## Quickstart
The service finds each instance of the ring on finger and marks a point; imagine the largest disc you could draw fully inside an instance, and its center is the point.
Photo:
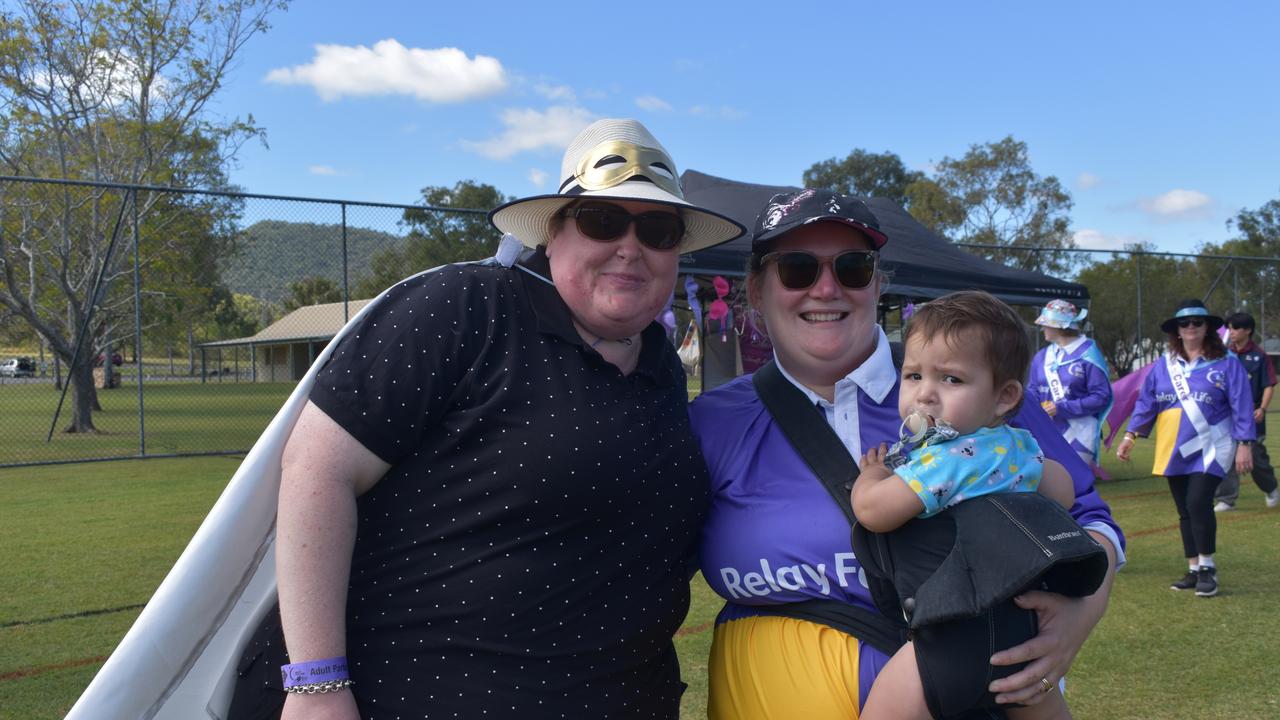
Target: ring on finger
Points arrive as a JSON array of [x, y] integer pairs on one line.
[[1045, 685]]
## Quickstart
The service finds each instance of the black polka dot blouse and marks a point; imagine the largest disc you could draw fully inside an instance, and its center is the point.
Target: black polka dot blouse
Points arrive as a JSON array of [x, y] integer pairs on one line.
[[528, 553]]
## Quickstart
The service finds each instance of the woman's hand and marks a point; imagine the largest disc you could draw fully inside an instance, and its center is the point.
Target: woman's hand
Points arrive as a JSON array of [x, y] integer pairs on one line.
[[1244, 458], [1050, 408], [339, 705], [1122, 450], [1065, 623]]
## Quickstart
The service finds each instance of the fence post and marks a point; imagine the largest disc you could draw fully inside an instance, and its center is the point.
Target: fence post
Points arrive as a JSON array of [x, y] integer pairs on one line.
[[1142, 352], [346, 289], [137, 329]]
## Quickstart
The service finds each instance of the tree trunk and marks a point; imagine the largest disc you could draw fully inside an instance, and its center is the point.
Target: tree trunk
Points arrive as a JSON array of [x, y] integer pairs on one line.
[[83, 400], [108, 368]]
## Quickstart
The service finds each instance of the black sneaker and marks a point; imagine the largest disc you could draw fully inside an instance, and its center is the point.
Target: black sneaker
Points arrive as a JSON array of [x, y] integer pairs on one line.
[[1187, 582], [1207, 582]]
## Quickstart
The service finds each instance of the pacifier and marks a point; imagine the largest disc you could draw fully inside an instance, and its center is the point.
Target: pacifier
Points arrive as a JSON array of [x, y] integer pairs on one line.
[[914, 426]]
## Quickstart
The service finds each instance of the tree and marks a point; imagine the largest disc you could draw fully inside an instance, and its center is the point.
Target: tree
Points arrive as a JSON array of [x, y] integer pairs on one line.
[[118, 91], [437, 237], [1124, 335], [991, 196], [312, 291], [1249, 285], [864, 173]]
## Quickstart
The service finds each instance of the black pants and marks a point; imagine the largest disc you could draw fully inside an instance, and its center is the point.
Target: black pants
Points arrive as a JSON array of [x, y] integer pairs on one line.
[[1193, 496], [1264, 476]]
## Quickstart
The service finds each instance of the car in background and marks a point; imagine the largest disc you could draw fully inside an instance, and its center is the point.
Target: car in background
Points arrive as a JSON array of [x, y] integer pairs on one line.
[[17, 367]]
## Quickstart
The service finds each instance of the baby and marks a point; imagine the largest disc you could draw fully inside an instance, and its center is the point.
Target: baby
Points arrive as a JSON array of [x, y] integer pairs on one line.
[[965, 359]]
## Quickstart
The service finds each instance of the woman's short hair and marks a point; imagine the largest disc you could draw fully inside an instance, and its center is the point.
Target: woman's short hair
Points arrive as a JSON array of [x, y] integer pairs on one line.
[[1002, 332], [1241, 321]]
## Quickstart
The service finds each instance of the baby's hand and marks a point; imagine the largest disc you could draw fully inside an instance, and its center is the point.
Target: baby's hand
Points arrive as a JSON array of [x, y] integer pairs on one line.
[[872, 464]]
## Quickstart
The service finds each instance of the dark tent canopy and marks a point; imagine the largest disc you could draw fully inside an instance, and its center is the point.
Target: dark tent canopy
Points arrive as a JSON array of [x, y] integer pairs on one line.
[[921, 263]]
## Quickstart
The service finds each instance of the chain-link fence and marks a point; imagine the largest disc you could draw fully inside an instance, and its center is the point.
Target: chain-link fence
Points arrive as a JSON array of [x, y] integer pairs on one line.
[[1133, 291], [145, 321]]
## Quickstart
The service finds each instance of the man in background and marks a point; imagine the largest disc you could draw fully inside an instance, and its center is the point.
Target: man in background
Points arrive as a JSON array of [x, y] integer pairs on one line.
[[1262, 380]]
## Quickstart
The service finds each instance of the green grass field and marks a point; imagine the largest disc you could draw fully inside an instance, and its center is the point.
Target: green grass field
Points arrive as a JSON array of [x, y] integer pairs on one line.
[[181, 417], [87, 544]]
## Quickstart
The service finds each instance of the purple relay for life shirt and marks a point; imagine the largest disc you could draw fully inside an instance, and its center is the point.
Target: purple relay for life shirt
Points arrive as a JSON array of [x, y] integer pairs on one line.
[[1220, 390], [774, 535]]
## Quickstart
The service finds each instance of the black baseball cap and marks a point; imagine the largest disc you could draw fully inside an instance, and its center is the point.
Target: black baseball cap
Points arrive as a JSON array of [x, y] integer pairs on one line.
[[787, 211]]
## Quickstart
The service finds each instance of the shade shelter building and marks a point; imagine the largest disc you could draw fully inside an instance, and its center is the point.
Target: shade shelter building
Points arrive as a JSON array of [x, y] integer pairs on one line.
[[285, 349]]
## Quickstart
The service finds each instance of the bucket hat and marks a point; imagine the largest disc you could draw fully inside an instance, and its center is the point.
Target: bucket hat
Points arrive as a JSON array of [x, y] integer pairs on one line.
[[614, 160], [1191, 308], [1062, 315]]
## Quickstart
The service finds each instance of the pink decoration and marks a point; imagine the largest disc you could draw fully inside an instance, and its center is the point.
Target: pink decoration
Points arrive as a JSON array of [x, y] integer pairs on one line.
[[1125, 393]]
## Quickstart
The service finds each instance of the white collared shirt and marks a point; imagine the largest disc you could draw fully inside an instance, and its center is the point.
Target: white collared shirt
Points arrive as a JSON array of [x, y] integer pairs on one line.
[[876, 377], [1064, 350]]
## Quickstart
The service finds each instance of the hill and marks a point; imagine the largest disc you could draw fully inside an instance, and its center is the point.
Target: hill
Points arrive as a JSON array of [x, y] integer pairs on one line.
[[270, 254]]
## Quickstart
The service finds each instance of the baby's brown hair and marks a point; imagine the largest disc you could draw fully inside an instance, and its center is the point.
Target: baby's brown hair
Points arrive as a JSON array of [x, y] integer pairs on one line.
[[1003, 334]]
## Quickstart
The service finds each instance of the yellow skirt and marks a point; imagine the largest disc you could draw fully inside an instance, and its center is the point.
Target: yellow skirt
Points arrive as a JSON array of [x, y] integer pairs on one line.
[[777, 668]]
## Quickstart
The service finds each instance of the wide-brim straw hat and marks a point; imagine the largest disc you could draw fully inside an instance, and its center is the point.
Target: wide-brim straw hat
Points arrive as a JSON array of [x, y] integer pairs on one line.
[[1191, 309], [614, 160]]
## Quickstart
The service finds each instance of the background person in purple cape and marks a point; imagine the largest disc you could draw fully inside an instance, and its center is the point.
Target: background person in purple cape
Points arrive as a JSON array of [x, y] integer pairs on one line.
[[775, 536], [1070, 380], [1197, 401]]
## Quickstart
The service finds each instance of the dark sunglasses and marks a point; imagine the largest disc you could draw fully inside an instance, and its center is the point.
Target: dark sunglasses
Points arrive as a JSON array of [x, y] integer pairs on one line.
[[799, 269], [606, 222], [1191, 322]]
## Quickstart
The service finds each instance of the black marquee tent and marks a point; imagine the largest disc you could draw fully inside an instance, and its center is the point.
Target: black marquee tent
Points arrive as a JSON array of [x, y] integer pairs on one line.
[[921, 263]]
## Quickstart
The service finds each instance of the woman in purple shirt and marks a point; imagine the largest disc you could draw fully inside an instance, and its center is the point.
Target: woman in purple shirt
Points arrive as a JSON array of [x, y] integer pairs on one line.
[[1197, 399], [1070, 380], [774, 536]]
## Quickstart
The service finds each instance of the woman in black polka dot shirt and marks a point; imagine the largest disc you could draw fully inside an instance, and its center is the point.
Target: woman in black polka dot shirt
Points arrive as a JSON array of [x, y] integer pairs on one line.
[[490, 504]]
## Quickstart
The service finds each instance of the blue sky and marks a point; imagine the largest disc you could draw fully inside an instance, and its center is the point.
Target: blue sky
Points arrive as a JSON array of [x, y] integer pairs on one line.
[[1161, 119]]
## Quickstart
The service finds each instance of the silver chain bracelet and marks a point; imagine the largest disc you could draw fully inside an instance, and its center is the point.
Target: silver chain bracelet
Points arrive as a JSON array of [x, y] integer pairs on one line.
[[321, 687]]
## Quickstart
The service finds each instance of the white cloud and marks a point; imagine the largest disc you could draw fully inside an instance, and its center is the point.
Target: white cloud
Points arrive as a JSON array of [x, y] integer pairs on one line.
[[537, 177], [528, 129], [1177, 205], [1088, 181], [555, 92], [1097, 240], [442, 75], [321, 170], [653, 103], [723, 112]]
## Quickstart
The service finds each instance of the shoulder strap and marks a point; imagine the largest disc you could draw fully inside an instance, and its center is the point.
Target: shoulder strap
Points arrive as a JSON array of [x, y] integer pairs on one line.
[[820, 448], [809, 433]]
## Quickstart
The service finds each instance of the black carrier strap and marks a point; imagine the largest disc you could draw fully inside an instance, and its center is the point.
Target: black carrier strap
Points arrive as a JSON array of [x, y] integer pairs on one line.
[[820, 448]]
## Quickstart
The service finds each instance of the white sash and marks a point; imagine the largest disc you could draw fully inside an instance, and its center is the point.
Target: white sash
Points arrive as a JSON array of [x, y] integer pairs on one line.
[[1083, 429], [1206, 437], [1058, 392]]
